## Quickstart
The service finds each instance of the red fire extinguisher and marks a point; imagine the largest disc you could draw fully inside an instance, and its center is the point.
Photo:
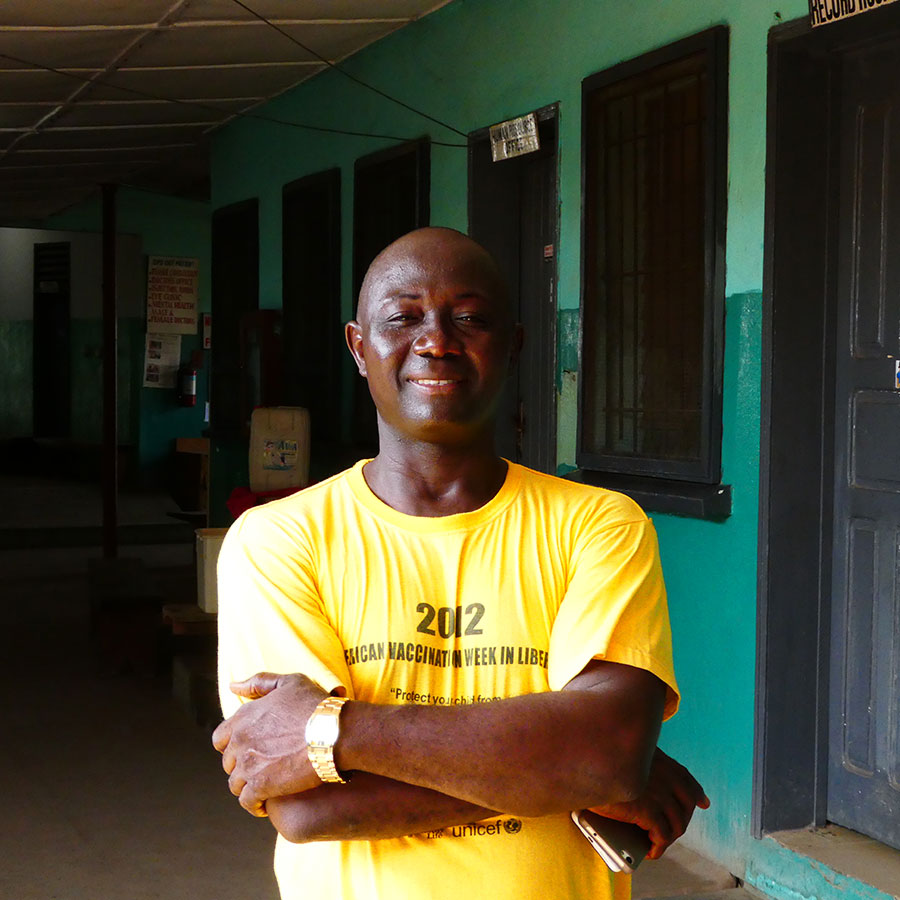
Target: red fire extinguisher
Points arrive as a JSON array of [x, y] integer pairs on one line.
[[187, 386]]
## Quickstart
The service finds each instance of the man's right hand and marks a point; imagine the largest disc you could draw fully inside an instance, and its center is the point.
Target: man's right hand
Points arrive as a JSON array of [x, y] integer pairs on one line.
[[263, 745], [665, 808]]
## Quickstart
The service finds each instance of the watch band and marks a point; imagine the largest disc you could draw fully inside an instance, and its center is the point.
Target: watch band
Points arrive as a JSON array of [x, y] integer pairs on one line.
[[322, 730]]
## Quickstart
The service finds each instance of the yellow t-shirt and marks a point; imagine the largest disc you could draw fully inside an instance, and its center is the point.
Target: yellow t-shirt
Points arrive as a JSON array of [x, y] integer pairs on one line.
[[513, 598]]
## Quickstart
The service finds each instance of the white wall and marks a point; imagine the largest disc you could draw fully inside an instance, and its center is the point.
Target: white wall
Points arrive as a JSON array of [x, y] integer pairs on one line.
[[17, 272]]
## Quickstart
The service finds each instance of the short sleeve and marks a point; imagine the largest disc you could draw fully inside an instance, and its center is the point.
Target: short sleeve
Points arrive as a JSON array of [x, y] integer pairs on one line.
[[270, 614], [615, 607]]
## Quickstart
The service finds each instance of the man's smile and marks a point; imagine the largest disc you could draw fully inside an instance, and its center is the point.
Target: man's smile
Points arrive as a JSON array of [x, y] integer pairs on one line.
[[434, 382]]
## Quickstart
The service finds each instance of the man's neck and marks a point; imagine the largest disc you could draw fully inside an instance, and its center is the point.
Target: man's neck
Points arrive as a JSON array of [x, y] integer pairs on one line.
[[431, 480]]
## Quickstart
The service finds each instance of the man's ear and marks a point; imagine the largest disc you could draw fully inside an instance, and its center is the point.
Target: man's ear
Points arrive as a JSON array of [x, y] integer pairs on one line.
[[354, 338], [518, 338]]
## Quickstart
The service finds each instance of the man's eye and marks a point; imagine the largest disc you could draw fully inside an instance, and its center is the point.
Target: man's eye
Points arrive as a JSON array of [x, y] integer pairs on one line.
[[472, 319]]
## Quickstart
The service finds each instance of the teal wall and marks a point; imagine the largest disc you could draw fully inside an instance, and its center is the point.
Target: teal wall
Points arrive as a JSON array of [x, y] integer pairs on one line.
[[711, 575], [778, 872], [167, 226], [476, 62], [86, 367], [15, 378]]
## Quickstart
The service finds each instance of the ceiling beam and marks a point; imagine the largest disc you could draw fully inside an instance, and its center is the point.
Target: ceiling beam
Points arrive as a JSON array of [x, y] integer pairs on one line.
[[43, 123], [200, 23]]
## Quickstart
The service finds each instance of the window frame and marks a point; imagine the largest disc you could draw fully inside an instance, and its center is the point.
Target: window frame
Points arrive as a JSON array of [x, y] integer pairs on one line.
[[647, 470]]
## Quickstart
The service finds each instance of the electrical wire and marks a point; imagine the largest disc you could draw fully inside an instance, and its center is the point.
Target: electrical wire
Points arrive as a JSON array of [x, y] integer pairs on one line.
[[347, 74], [195, 104]]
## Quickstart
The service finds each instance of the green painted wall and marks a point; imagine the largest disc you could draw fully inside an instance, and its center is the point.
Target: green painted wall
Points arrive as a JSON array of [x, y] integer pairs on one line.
[[167, 226], [782, 874], [86, 365], [86, 344], [15, 378], [711, 574], [476, 62]]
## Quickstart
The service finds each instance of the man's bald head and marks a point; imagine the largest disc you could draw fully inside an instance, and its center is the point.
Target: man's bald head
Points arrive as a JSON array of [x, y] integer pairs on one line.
[[434, 254], [436, 339]]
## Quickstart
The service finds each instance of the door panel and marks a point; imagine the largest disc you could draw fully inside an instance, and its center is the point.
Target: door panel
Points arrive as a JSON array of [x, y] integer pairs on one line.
[[51, 404], [872, 146], [513, 213], [875, 440], [863, 789], [537, 312], [859, 617], [235, 292], [312, 336], [391, 196]]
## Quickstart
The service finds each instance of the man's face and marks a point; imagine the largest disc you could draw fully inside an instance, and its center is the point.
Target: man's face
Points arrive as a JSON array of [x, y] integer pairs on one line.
[[435, 337]]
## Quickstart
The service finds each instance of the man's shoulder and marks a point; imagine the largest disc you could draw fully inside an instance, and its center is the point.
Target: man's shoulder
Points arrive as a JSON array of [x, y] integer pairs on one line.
[[571, 498]]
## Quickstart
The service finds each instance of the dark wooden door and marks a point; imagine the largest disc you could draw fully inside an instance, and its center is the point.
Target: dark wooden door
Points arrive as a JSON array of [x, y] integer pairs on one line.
[[52, 408], [312, 337], [513, 213], [391, 196], [235, 292], [864, 767]]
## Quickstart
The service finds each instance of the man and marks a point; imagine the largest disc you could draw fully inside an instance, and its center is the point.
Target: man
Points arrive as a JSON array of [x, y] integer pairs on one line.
[[483, 647]]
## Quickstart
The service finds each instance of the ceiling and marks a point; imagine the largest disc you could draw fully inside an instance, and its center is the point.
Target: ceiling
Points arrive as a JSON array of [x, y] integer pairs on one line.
[[139, 85]]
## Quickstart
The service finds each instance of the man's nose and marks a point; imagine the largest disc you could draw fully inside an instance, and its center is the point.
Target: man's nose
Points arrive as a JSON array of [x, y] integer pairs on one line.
[[437, 337]]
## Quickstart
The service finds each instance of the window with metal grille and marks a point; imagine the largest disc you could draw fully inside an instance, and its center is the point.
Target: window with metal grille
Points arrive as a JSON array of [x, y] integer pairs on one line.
[[652, 310]]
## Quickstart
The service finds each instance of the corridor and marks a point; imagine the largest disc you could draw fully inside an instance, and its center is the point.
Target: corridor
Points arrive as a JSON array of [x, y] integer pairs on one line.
[[111, 791]]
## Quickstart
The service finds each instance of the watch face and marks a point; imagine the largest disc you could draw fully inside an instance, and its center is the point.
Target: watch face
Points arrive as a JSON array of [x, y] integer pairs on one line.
[[322, 729]]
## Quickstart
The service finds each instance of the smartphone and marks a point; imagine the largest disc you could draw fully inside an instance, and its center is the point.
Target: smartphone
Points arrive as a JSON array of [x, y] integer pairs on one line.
[[621, 845]]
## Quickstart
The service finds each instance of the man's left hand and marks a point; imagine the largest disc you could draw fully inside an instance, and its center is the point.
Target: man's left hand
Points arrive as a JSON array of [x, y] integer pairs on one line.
[[665, 808], [263, 745]]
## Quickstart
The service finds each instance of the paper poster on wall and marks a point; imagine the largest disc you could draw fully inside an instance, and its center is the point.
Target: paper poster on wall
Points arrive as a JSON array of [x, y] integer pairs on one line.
[[172, 294], [162, 357], [207, 331]]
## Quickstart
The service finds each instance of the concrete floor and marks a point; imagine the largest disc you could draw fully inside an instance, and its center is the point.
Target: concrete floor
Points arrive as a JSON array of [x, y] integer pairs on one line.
[[687, 875], [33, 502], [112, 792]]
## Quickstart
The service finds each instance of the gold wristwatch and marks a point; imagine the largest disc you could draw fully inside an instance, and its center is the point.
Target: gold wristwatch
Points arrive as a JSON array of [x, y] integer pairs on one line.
[[322, 730]]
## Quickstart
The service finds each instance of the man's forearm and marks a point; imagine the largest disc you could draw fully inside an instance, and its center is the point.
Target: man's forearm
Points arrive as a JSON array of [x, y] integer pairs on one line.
[[589, 744], [368, 807], [530, 755]]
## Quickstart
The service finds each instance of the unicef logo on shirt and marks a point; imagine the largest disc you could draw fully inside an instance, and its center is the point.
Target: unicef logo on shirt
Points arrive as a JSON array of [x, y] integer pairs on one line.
[[479, 829]]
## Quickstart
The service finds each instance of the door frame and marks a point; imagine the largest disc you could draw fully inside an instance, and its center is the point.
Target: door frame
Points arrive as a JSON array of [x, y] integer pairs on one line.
[[797, 420], [475, 139]]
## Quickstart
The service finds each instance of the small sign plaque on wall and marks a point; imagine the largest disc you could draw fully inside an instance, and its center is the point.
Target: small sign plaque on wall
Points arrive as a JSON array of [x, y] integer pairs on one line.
[[515, 137], [824, 12]]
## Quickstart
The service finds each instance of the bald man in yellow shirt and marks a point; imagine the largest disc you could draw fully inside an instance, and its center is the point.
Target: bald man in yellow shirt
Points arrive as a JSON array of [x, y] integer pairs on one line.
[[483, 648]]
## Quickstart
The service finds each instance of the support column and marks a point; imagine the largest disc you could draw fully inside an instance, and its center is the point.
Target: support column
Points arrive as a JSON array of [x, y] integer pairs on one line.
[[110, 456]]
